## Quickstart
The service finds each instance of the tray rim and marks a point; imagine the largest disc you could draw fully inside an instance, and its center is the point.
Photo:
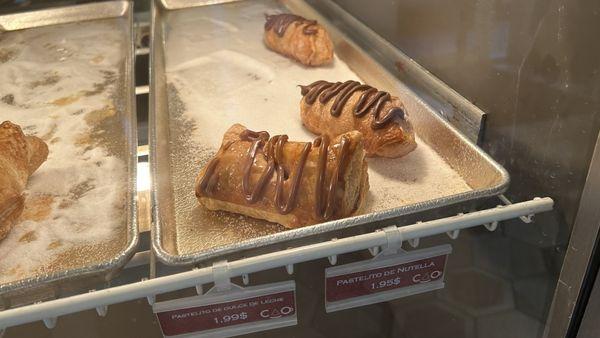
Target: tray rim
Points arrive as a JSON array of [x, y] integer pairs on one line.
[[64, 14], [197, 257], [182, 4], [116, 9]]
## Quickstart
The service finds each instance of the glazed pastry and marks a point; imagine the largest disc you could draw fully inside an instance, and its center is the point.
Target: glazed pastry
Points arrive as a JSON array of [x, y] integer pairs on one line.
[[20, 156], [291, 183], [332, 109], [298, 38]]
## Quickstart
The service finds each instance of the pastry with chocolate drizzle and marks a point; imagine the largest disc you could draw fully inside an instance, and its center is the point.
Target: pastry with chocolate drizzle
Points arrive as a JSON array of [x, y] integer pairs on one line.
[[298, 38], [291, 183], [330, 109]]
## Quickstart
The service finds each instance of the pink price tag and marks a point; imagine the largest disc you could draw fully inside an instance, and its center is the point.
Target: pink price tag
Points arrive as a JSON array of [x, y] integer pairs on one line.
[[235, 314], [385, 278]]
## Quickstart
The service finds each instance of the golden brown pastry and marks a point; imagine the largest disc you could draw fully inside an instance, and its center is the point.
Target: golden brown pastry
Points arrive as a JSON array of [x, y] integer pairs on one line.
[[20, 156], [291, 183], [332, 109], [298, 38]]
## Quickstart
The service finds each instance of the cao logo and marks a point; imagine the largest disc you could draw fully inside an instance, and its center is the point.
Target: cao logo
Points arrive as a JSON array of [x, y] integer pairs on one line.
[[275, 313], [426, 277]]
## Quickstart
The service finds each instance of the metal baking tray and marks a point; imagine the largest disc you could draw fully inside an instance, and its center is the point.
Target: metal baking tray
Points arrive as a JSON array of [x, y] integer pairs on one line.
[[71, 84], [210, 69]]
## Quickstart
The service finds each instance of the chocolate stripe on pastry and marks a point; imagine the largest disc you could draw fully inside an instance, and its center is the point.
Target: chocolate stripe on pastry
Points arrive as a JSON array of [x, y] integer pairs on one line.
[[280, 22]]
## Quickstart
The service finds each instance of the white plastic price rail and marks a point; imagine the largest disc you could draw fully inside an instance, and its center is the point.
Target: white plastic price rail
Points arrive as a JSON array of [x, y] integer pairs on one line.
[[50, 310]]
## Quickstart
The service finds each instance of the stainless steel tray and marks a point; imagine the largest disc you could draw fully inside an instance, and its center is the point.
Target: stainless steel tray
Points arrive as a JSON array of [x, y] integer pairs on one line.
[[209, 69], [72, 85]]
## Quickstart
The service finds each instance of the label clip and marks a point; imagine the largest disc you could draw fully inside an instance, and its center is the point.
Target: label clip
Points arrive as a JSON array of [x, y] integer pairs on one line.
[[221, 276], [394, 238]]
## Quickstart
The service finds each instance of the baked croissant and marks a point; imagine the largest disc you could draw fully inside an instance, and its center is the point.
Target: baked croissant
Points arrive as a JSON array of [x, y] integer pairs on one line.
[[298, 38], [20, 156], [291, 183], [332, 109]]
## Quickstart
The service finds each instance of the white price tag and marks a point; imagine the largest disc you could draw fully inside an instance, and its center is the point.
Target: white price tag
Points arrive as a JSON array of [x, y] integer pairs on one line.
[[385, 277], [229, 313]]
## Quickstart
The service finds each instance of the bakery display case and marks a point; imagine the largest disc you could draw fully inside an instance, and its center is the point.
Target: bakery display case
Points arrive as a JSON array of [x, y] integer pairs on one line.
[[477, 218]]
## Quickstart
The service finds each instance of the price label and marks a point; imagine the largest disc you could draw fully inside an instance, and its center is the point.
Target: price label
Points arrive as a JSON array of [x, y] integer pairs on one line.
[[385, 278], [234, 312]]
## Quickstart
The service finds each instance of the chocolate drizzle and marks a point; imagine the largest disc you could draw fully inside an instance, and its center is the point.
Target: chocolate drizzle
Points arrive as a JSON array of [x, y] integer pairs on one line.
[[280, 22], [325, 207], [371, 99], [271, 148]]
